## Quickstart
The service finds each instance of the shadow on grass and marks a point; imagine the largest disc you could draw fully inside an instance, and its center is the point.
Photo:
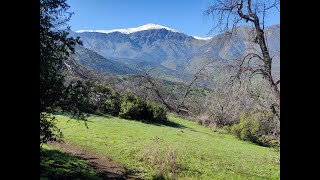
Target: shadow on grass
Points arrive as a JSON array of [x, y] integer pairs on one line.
[[55, 164], [100, 114], [159, 123], [166, 123], [108, 116]]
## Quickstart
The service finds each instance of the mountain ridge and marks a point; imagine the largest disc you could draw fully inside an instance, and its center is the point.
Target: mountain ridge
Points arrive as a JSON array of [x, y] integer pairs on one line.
[[131, 30], [173, 51]]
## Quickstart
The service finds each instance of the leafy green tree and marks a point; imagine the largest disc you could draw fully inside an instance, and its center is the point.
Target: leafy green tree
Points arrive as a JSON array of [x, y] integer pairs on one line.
[[55, 47]]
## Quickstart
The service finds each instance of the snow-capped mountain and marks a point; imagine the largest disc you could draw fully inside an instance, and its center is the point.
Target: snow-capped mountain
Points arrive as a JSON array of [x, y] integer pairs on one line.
[[131, 30], [173, 51]]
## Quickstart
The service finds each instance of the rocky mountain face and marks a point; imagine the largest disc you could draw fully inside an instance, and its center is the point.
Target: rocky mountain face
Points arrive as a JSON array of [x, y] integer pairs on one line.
[[173, 53]]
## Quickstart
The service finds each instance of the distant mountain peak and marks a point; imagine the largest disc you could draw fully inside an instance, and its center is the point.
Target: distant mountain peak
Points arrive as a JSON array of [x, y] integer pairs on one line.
[[200, 38], [131, 30]]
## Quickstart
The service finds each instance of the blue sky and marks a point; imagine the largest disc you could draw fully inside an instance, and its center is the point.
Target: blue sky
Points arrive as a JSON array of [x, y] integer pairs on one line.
[[183, 15]]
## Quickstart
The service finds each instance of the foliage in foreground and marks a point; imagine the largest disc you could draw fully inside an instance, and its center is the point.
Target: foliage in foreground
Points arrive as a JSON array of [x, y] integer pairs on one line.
[[55, 47], [48, 129]]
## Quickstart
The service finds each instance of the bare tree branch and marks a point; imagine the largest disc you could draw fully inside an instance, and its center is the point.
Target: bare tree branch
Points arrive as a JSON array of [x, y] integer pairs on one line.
[[155, 89], [197, 75]]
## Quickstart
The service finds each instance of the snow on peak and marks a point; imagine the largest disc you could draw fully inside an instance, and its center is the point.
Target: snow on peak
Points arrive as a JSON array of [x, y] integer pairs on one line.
[[131, 30], [200, 38], [150, 26]]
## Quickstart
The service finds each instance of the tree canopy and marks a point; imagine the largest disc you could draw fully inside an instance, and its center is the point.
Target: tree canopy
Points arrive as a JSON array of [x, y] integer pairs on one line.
[[55, 47]]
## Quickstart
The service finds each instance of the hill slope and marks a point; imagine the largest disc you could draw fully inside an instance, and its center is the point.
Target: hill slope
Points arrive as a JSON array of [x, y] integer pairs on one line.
[[186, 151]]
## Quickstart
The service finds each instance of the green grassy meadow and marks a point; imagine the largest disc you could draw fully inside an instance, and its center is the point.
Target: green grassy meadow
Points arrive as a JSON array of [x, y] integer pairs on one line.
[[184, 151]]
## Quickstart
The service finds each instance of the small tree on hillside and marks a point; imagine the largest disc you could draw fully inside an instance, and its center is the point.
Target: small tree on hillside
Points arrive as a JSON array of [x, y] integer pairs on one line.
[[173, 101]]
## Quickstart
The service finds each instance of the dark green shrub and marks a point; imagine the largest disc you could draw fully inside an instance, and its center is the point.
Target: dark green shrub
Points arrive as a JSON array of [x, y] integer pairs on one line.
[[247, 129], [135, 108], [131, 107], [158, 113], [113, 104]]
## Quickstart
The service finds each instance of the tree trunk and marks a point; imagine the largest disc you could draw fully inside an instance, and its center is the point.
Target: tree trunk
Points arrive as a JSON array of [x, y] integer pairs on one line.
[[266, 59]]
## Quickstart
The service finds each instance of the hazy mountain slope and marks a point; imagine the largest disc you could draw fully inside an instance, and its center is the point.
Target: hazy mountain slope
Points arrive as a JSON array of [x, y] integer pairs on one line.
[[173, 53], [93, 60], [228, 49], [87, 63], [159, 46]]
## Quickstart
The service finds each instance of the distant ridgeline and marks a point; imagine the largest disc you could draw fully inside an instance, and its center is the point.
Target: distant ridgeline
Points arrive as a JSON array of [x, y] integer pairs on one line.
[[174, 55]]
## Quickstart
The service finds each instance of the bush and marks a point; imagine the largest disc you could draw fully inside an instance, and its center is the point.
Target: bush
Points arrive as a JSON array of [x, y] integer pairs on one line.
[[158, 113], [269, 123], [247, 129], [227, 128], [113, 104], [257, 127], [135, 108], [269, 141], [131, 107]]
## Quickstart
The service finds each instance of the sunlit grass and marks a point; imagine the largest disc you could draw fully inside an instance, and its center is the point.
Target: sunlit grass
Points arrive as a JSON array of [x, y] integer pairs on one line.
[[194, 151]]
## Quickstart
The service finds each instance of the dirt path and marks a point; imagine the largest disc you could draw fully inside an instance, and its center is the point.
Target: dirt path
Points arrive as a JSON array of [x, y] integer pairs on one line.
[[104, 166]]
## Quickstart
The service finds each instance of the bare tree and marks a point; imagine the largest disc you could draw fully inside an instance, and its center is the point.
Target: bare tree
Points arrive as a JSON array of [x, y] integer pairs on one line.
[[173, 101], [230, 14], [151, 84], [225, 103]]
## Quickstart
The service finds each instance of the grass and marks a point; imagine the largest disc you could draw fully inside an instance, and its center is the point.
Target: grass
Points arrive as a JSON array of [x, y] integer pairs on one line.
[[187, 151], [55, 164]]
